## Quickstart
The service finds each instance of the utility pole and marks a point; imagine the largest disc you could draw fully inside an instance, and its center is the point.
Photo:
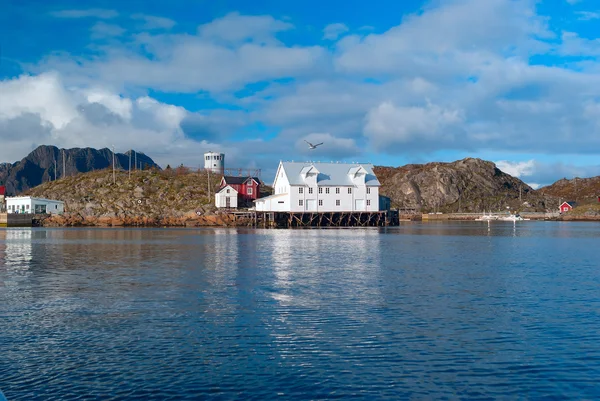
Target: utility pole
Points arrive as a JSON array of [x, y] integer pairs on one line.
[[55, 168], [135, 164], [208, 175], [114, 179], [64, 164], [520, 189], [130, 164]]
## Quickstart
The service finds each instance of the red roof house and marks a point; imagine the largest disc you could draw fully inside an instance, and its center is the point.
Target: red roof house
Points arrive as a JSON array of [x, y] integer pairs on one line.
[[567, 206], [248, 188]]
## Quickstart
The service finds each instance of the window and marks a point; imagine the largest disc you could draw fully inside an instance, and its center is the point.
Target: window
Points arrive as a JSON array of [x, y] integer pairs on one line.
[[368, 191], [300, 190], [337, 202], [349, 190], [228, 190], [27, 207], [310, 190], [300, 202], [320, 202], [326, 190], [249, 190], [320, 190], [368, 202], [337, 190]]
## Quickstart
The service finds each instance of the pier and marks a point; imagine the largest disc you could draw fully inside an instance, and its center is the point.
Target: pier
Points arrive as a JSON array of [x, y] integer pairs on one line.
[[321, 219], [16, 220]]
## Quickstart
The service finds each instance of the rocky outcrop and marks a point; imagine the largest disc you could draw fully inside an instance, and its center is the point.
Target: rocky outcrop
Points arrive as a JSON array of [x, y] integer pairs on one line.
[[173, 197], [468, 185], [581, 190], [45, 164]]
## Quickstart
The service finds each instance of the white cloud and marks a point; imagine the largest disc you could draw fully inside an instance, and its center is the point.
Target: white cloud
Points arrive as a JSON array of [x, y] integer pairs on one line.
[[103, 30], [37, 110], [236, 28], [151, 22], [86, 13], [389, 125], [334, 31], [228, 53], [517, 169], [588, 15]]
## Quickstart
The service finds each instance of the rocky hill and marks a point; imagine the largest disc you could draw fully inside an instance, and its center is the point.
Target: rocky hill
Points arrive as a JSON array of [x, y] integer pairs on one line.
[[581, 190], [468, 185], [172, 197], [45, 164]]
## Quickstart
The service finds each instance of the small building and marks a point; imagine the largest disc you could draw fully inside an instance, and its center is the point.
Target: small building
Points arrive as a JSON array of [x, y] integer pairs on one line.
[[2, 195], [248, 188], [323, 188], [567, 206], [227, 197], [214, 162], [28, 204]]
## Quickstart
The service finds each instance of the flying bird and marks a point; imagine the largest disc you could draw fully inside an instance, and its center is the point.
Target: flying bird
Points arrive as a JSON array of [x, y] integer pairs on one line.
[[311, 146]]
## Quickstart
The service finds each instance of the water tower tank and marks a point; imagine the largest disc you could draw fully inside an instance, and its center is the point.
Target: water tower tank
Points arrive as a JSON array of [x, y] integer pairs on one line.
[[214, 162]]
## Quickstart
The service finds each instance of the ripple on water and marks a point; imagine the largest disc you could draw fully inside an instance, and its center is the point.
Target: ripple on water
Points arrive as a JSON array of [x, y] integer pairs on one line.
[[421, 311]]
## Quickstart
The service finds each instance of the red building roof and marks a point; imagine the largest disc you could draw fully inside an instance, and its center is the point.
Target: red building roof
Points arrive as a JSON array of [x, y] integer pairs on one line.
[[2, 190]]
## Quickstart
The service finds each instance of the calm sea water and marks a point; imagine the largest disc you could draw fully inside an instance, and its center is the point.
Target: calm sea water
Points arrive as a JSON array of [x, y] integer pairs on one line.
[[423, 311]]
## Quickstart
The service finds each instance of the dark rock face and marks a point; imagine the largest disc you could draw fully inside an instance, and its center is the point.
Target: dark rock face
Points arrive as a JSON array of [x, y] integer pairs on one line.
[[468, 185], [45, 163]]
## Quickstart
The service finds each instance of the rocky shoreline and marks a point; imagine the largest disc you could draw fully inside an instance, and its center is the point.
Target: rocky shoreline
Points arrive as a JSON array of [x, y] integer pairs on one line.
[[186, 220]]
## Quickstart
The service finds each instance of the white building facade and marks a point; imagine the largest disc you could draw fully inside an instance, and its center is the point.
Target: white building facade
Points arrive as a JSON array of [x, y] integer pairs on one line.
[[27, 204], [323, 187], [227, 197], [215, 162]]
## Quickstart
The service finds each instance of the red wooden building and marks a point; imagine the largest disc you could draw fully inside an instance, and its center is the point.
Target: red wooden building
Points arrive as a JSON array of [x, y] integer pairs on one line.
[[2, 194], [248, 188], [566, 206]]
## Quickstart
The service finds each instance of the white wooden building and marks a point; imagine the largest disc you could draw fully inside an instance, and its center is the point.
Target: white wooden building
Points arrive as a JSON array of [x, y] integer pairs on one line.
[[28, 204], [227, 197], [322, 187]]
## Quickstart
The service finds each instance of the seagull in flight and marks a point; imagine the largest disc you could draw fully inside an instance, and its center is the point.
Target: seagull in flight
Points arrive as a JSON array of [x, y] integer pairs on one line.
[[311, 146]]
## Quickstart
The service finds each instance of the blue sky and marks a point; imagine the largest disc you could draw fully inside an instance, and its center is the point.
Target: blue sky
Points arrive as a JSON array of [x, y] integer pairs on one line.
[[387, 82]]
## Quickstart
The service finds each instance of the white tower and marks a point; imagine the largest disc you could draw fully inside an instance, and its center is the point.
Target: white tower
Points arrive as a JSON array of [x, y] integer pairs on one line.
[[215, 162]]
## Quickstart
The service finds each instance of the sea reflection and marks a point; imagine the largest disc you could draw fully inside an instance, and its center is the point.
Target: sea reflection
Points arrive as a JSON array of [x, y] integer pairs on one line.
[[16, 247], [425, 311]]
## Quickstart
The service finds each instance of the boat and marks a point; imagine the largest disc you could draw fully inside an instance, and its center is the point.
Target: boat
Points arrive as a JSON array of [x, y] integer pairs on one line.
[[487, 217], [511, 217]]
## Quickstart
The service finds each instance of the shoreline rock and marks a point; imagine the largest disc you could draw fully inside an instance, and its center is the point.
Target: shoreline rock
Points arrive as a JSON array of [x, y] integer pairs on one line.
[[188, 220]]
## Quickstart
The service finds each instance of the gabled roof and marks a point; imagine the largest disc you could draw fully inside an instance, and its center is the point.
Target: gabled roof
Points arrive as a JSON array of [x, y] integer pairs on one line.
[[227, 187], [230, 179], [570, 203], [330, 174]]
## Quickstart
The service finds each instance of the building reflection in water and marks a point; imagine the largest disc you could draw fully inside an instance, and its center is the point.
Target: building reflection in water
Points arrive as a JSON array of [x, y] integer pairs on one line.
[[16, 247]]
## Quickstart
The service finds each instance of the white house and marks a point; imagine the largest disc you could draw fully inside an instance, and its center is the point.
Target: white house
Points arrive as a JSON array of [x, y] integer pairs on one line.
[[227, 197], [27, 204], [323, 187]]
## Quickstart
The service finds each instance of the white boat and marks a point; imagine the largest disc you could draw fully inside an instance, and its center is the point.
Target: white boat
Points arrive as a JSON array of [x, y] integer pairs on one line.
[[487, 217], [511, 217]]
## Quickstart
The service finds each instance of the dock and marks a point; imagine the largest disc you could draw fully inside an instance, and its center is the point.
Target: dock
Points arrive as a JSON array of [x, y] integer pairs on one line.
[[322, 219], [16, 220]]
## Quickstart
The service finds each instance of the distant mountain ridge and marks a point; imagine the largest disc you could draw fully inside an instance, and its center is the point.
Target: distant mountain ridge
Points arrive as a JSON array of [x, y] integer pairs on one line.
[[45, 163]]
